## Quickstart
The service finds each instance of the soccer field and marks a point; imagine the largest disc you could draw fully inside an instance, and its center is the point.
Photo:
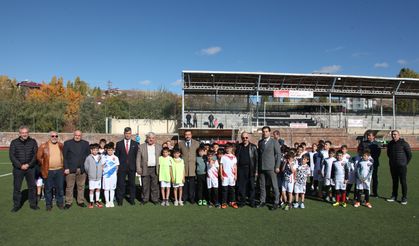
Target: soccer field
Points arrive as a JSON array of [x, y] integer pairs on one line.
[[320, 223]]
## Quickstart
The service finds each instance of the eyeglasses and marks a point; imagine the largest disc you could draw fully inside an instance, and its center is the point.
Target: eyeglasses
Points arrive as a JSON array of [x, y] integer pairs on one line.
[[54, 136]]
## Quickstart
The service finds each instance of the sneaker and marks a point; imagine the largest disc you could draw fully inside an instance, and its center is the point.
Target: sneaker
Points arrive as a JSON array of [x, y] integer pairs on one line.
[[391, 199], [107, 205], [99, 204], [302, 205], [368, 205], [335, 204], [217, 205], [163, 203], [223, 206], [176, 203], [234, 205], [167, 203], [333, 199], [357, 204], [295, 205], [181, 203], [200, 203], [90, 205], [327, 199], [343, 204], [287, 207], [204, 202], [404, 201], [112, 205]]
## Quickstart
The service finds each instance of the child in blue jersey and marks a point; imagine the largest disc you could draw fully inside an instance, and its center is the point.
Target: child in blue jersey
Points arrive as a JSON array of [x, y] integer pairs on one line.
[[328, 183], [110, 164]]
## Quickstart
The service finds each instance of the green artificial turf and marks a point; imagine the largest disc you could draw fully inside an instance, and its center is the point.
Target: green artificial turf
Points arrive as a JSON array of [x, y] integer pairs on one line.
[[320, 223]]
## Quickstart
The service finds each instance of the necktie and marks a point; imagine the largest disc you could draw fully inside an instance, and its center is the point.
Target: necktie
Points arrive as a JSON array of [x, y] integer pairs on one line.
[[126, 147], [188, 144]]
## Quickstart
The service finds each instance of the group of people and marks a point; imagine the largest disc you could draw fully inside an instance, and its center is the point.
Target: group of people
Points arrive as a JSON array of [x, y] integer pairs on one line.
[[212, 122], [196, 171]]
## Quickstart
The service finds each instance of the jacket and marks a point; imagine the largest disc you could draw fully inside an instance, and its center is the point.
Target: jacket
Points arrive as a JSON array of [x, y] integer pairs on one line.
[[127, 162], [189, 157], [93, 169], [43, 155], [142, 159], [74, 154], [269, 155], [23, 152], [374, 149], [253, 154], [399, 153]]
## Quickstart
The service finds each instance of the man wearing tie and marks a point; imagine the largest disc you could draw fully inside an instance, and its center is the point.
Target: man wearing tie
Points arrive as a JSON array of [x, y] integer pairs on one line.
[[188, 148], [126, 150], [269, 162]]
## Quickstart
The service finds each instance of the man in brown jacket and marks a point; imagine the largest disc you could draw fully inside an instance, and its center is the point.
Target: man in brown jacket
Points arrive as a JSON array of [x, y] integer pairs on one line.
[[188, 148], [50, 157], [148, 167]]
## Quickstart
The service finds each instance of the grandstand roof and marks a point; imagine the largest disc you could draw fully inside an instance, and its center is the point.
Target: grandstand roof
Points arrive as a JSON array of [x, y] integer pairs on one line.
[[247, 83]]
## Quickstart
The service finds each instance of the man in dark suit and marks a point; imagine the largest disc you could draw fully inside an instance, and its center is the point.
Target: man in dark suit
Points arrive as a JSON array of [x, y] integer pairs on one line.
[[126, 150], [269, 162], [188, 149], [148, 168]]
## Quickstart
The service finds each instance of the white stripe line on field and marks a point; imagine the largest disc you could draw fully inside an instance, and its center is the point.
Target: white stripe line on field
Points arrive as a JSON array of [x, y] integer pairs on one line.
[[4, 175]]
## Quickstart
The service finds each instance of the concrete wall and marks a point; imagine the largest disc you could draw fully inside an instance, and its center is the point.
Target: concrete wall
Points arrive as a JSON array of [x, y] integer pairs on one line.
[[143, 126]]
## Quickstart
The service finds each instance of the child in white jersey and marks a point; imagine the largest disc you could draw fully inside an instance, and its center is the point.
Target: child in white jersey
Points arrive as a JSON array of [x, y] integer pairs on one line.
[[289, 170], [340, 178], [364, 170], [303, 171], [228, 169], [327, 174], [110, 164], [212, 179]]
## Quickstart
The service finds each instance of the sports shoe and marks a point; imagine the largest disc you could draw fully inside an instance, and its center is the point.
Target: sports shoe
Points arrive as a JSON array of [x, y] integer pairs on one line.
[[287, 207], [327, 199], [234, 205], [223, 206], [181, 203], [176, 203], [368, 205], [302, 205], [404, 201], [335, 204], [90, 205], [357, 204], [99, 204], [200, 203], [343, 204], [163, 203], [392, 199], [295, 205], [204, 202], [167, 203], [333, 199], [107, 205], [112, 205]]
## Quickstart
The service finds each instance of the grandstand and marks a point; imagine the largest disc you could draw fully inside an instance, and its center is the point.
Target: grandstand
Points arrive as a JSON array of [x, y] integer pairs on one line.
[[249, 100]]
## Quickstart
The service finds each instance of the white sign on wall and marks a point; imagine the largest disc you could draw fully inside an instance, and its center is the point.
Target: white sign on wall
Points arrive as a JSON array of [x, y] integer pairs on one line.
[[355, 123], [293, 94]]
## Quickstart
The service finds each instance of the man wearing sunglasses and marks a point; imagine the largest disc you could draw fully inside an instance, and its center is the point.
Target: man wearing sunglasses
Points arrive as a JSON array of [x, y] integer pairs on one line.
[[51, 160], [247, 168]]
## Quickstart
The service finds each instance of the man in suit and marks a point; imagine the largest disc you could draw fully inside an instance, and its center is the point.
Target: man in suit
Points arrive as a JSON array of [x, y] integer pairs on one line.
[[126, 150], [269, 162], [375, 149], [188, 149], [148, 168]]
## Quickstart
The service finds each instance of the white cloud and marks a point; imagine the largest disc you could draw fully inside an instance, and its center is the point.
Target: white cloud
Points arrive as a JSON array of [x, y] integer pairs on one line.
[[145, 82], [177, 83], [402, 62], [210, 51], [329, 69], [381, 65], [334, 49]]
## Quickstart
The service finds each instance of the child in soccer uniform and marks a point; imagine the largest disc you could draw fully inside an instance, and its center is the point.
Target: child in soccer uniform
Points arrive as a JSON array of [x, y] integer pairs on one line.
[[289, 170], [364, 170], [201, 176], [212, 179], [340, 177], [311, 163], [110, 164], [346, 156], [94, 170], [303, 171], [165, 175], [228, 169], [178, 176], [327, 175]]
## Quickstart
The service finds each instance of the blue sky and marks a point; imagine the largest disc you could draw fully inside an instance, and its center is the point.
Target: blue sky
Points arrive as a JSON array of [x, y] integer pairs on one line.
[[146, 44]]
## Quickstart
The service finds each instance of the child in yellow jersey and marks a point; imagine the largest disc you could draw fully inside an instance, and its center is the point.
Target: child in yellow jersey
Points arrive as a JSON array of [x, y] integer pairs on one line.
[[178, 176], [165, 175]]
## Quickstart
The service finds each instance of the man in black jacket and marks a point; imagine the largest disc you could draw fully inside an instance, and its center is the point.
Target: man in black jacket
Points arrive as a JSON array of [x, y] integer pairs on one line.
[[247, 168], [75, 152], [126, 150], [22, 154], [375, 150], [399, 155]]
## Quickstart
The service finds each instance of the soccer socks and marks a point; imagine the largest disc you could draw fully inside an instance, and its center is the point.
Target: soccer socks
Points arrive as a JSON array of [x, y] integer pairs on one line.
[[337, 196], [91, 197], [112, 195], [97, 196], [107, 196], [367, 195], [343, 196]]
